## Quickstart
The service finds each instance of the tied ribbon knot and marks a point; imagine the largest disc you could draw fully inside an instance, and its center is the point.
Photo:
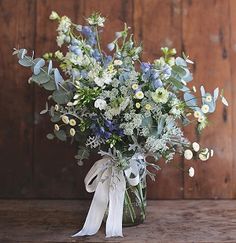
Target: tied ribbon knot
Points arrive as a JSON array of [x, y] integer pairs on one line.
[[109, 185]]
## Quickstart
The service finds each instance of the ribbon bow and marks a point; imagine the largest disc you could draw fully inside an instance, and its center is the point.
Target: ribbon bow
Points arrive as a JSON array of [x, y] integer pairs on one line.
[[109, 185]]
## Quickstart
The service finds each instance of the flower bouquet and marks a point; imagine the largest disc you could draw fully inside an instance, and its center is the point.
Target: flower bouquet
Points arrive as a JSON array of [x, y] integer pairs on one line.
[[124, 109]]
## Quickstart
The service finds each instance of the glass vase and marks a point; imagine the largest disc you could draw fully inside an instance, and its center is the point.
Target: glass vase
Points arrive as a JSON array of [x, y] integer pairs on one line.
[[134, 211]]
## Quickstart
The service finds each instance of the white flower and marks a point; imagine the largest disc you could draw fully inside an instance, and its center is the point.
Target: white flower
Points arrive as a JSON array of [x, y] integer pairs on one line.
[[191, 172], [139, 95], [100, 104], [188, 154], [201, 119], [60, 39], [208, 98], [72, 132], [99, 81], [161, 95], [65, 119], [197, 114], [54, 15], [205, 108], [56, 127], [204, 155], [58, 54], [56, 107], [194, 89], [196, 146], [118, 62], [135, 86]]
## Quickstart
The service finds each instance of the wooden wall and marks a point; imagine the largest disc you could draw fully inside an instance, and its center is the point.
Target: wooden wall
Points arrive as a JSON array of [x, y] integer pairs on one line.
[[33, 167]]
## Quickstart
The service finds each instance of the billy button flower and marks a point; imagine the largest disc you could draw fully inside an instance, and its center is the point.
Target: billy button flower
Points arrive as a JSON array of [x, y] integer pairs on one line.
[[139, 95], [56, 127], [65, 119], [72, 132], [72, 122], [148, 107], [137, 105]]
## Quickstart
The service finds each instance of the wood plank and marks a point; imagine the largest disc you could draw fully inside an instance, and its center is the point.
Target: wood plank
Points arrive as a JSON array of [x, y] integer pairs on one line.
[[232, 52], [16, 100], [157, 24], [56, 173], [206, 37], [167, 221]]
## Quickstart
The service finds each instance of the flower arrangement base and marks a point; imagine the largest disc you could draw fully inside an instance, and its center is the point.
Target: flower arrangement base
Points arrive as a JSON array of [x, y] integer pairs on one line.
[[134, 212]]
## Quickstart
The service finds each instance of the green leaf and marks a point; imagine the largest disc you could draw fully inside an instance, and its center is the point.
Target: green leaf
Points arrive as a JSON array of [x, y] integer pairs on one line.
[[21, 53], [175, 82], [39, 63], [61, 135], [179, 70]]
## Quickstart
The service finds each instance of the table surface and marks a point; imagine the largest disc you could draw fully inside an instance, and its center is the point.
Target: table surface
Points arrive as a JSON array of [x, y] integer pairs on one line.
[[167, 221]]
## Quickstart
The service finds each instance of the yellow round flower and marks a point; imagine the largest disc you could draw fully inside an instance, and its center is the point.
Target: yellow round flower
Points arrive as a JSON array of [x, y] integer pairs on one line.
[[72, 132], [134, 86], [65, 119], [139, 95], [56, 127], [205, 108], [138, 105], [148, 107], [197, 114], [72, 122]]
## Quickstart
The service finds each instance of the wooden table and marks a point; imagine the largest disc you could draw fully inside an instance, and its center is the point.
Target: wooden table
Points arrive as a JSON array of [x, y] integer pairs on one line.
[[167, 221]]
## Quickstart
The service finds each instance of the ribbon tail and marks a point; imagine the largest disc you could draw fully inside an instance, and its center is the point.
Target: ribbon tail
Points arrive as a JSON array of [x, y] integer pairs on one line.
[[116, 203], [97, 209]]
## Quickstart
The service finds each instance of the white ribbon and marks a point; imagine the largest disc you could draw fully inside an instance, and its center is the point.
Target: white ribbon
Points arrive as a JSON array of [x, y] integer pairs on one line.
[[109, 185]]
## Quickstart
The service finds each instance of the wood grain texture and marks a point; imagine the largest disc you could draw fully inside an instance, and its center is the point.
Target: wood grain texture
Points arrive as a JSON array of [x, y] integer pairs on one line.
[[32, 166], [158, 24], [56, 173], [16, 99], [167, 221], [232, 56], [208, 43]]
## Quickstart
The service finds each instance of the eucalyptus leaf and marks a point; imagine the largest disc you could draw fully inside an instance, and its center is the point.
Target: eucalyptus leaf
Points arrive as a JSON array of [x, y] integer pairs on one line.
[[39, 63], [61, 135], [203, 93], [26, 62], [179, 70], [50, 136], [176, 82], [58, 78], [41, 78], [61, 96], [190, 100], [21, 53], [224, 101], [49, 67], [179, 61], [50, 85], [216, 94]]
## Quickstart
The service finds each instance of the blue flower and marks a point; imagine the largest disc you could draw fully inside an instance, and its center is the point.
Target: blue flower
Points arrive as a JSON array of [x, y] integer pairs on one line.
[[157, 83], [111, 46], [145, 67]]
